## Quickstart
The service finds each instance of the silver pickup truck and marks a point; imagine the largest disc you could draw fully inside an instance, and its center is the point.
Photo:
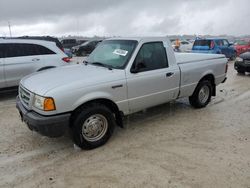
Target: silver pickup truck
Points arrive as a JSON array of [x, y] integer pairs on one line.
[[121, 76]]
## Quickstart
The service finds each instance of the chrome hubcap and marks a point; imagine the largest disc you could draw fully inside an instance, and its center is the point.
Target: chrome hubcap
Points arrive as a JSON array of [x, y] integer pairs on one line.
[[204, 94], [94, 128]]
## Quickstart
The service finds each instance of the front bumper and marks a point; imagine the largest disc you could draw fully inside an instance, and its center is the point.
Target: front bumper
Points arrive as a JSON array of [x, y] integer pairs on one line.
[[51, 126], [241, 66]]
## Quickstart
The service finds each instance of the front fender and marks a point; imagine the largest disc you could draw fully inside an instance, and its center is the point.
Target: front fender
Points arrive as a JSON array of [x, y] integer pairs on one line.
[[92, 96]]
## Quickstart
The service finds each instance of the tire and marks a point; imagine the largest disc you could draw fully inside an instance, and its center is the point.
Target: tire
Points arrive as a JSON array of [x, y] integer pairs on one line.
[[241, 72], [93, 125], [202, 94]]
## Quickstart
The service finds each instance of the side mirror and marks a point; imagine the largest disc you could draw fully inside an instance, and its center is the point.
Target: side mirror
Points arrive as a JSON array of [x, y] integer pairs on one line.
[[138, 67]]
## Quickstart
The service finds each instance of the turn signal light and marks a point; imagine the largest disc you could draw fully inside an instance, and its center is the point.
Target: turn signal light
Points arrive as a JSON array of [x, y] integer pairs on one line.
[[49, 104]]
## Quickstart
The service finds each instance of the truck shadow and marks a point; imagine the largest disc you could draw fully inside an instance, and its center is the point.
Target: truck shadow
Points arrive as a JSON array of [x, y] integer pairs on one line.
[[132, 123], [165, 110]]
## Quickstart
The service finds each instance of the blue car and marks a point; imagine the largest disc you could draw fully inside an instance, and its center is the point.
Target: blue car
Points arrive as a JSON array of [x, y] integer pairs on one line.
[[214, 46]]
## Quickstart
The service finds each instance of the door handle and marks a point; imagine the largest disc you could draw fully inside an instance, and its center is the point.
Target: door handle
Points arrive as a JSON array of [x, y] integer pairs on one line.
[[169, 74], [116, 86], [36, 59]]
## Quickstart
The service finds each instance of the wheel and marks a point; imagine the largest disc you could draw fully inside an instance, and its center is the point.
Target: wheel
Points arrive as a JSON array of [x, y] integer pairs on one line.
[[202, 94], [241, 72], [93, 125]]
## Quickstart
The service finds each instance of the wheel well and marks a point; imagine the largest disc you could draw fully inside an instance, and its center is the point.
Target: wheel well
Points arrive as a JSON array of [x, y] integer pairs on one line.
[[210, 78], [108, 103], [44, 68]]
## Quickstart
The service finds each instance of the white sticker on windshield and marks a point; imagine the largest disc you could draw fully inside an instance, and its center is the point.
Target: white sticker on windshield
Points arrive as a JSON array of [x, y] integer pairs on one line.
[[120, 52]]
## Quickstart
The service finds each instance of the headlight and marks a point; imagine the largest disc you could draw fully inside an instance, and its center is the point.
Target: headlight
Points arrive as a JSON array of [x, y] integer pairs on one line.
[[239, 59], [44, 103]]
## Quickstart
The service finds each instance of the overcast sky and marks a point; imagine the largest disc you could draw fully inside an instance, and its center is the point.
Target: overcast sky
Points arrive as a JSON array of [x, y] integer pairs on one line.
[[124, 18]]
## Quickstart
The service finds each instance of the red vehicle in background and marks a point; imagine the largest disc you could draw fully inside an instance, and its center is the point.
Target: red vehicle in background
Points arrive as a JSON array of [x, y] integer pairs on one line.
[[242, 46]]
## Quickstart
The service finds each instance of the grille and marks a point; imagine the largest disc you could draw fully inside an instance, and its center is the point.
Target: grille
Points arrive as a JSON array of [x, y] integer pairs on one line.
[[24, 96]]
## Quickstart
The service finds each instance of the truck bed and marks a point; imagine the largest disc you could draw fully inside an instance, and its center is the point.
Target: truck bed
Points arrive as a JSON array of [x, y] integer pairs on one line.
[[182, 58], [194, 66]]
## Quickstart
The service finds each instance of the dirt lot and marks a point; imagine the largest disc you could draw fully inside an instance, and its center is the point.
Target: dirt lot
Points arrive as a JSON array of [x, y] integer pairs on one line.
[[172, 145]]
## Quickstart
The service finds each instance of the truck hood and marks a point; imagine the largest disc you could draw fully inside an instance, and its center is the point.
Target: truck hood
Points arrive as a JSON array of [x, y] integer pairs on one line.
[[70, 76]]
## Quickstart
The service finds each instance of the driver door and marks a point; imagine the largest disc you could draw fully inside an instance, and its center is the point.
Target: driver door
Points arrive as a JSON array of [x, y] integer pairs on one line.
[[151, 81]]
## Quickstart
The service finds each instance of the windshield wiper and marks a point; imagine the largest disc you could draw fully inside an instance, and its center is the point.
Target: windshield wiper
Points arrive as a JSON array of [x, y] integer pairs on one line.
[[102, 65]]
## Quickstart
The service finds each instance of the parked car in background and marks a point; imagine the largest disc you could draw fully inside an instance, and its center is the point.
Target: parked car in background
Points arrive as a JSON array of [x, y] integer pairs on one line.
[[241, 46], [81, 41], [68, 52], [20, 57], [242, 63], [185, 46], [122, 76], [75, 48], [69, 43], [215, 46], [86, 48]]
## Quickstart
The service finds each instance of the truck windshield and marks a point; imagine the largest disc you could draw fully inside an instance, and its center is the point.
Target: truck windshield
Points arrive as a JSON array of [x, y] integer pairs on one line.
[[113, 53]]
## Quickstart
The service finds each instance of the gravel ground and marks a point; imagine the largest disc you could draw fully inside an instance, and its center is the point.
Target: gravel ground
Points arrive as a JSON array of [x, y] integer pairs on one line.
[[172, 145]]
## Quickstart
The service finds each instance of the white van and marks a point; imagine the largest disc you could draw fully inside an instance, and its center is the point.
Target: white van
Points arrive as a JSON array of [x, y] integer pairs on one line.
[[20, 57]]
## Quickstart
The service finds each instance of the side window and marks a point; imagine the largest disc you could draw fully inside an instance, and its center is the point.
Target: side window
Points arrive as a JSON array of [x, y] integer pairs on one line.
[[43, 50], [226, 43], [14, 50], [151, 56], [2, 50], [219, 42], [29, 49], [19, 50]]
